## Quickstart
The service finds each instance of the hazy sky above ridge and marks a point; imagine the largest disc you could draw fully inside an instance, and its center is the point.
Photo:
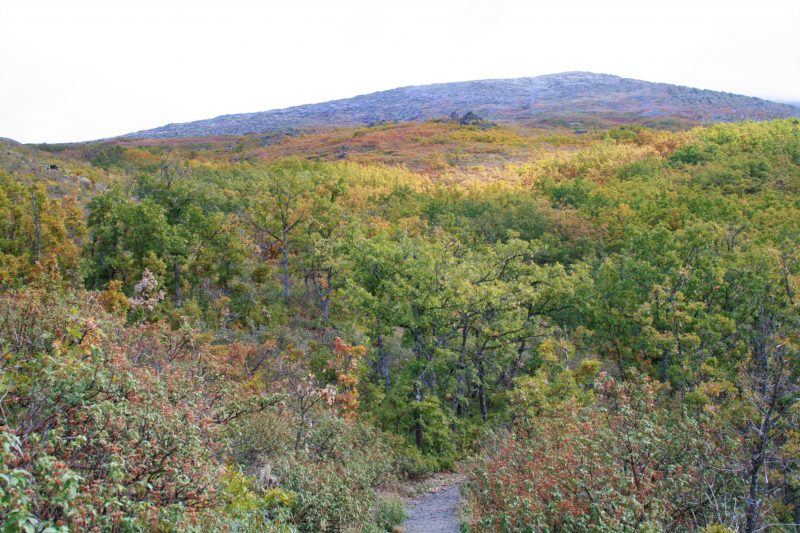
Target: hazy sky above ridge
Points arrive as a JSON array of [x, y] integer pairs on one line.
[[73, 70]]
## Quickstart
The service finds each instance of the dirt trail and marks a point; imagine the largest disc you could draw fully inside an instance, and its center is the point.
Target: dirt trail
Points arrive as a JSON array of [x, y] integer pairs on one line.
[[435, 511]]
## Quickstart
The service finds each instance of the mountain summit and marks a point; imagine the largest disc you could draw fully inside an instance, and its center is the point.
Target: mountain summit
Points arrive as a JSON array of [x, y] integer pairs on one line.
[[567, 98]]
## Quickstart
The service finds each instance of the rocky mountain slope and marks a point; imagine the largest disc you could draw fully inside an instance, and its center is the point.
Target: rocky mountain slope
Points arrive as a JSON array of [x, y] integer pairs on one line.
[[570, 98]]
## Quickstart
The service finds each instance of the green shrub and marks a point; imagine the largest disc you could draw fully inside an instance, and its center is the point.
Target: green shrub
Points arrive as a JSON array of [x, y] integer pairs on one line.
[[102, 431], [333, 475], [390, 512], [246, 508], [412, 464], [569, 469]]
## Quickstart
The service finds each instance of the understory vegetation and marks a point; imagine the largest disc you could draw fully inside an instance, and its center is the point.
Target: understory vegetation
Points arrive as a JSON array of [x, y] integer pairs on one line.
[[604, 331]]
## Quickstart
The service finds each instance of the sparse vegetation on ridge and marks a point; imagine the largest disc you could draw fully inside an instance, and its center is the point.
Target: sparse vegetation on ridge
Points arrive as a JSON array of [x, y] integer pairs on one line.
[[567, 99]]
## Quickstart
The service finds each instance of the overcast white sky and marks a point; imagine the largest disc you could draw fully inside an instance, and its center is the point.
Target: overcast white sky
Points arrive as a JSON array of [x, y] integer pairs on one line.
[[74, 70]]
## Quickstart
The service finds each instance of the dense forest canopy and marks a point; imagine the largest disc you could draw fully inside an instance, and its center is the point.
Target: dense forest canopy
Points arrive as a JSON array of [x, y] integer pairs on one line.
[[244, 333]]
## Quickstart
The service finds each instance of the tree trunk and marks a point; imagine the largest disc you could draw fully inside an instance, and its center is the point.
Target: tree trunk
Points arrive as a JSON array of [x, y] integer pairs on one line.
[[326, 296], [506, 379], [418, 344], [462, 379], [753, 507], [417, 422], [770, 396], [300, 430], [326, 309], [482, 389]]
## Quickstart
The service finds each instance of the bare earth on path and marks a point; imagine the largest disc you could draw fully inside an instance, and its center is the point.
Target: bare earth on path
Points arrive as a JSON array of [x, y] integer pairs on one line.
[[435, 511]]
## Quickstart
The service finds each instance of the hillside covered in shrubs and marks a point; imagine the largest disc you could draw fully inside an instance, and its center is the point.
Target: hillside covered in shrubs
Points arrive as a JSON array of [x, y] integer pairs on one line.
[[602, 329]]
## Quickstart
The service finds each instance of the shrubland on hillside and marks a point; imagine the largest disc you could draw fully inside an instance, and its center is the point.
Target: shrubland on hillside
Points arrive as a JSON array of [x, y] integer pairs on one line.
[[268, 332]]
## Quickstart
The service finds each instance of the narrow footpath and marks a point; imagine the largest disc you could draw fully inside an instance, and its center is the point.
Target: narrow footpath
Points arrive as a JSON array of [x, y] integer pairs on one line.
[[435, 511]]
